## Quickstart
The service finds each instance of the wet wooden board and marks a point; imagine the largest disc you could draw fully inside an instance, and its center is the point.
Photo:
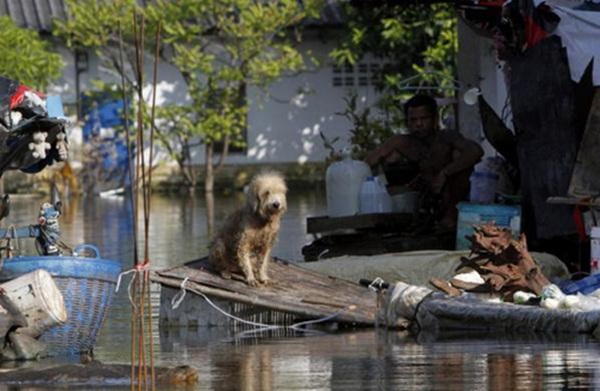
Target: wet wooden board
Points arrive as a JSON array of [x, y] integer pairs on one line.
[[306, 293]]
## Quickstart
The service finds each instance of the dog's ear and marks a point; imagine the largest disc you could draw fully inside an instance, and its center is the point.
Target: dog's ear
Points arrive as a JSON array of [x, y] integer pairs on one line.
[[255, 203], [252, 199]]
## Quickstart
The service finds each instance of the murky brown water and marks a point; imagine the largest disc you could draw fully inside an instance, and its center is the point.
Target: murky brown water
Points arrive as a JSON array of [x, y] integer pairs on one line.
[[342, 360]]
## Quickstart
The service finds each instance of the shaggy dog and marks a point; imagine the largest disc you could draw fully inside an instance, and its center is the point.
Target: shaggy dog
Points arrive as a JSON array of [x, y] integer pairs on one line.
[[244, 242]]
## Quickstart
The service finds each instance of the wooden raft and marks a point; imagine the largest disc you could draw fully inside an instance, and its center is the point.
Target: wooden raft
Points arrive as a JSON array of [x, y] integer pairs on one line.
[[305, 293]]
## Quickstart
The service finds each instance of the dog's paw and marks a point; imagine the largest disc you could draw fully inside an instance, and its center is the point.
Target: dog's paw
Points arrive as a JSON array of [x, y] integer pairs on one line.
[[253, 282], [264, 280], [225, 274]]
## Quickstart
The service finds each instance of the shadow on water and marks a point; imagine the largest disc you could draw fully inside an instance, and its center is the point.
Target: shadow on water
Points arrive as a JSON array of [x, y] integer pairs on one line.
[[283, 359]]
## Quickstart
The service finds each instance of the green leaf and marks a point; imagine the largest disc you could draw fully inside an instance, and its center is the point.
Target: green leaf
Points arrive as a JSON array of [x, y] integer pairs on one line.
[[26, 57]]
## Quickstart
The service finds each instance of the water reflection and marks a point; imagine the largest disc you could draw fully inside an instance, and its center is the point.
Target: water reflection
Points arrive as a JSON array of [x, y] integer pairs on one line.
[[388, 360], [361, 359]]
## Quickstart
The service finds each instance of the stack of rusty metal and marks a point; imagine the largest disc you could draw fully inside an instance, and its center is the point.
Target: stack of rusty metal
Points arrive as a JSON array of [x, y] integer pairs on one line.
[[503, 262]]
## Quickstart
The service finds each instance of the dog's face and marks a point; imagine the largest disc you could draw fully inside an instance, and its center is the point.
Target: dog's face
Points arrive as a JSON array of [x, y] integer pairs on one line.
[[266, 195]]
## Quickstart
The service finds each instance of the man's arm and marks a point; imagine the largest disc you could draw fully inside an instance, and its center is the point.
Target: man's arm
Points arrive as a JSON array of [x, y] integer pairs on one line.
[[469, 153], [399, 143]]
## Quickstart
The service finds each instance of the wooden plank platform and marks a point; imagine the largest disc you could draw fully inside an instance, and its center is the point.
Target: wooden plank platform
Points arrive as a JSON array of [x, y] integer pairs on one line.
[[305, 293], [382, 221], [586, 201]]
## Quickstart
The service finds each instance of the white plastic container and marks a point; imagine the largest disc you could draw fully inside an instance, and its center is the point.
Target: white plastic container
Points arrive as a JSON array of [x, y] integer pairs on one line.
[[36, 295], [484, 181], [343, 183], [374, 197], [595, 250], [483, 187]]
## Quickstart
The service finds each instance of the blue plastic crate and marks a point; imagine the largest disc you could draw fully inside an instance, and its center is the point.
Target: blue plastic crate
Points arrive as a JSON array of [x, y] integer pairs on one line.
[[470, 215]]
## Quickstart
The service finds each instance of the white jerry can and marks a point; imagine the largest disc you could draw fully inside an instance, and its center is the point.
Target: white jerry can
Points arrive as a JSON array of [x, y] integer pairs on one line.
[[36, 295], [343, 182]]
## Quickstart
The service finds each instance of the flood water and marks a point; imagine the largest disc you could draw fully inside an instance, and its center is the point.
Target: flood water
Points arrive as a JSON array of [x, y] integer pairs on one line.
[[341, 360]]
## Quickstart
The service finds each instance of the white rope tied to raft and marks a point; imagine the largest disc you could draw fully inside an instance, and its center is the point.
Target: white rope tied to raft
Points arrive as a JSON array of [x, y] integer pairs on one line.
[[178, 298]]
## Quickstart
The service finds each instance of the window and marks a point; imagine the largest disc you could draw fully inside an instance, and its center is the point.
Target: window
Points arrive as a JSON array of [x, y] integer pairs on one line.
[[362, 74]]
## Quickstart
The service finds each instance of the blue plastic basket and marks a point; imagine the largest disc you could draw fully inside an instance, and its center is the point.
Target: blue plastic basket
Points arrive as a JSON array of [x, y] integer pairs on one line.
[[87, 286]]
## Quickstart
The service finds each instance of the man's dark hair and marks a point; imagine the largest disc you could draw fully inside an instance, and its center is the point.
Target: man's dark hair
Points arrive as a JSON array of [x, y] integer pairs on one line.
[[420, 100]]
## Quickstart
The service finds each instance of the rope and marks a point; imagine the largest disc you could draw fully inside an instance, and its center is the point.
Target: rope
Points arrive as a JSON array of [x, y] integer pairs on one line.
[[178, 299], [137, 269], [418, 307], [376, 284], [141, 267], [320, 256], [175, 301]]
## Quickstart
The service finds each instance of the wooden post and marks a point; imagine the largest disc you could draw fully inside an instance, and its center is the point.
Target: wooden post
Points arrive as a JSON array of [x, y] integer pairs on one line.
[[585, 180]]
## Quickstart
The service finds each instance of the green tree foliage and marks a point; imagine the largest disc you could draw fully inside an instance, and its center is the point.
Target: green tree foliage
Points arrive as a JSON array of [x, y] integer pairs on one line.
[[221, 48], [365, 134], [25, 56], [414, 40]]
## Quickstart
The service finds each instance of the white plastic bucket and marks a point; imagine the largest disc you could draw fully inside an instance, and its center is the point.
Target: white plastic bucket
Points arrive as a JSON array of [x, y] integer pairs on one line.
[[36, 295], [595, 250], [483, 187], [407, 202]]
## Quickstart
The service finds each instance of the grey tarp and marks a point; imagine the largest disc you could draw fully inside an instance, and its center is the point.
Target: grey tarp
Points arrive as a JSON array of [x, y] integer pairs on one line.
[[415, 267], [409, 300]]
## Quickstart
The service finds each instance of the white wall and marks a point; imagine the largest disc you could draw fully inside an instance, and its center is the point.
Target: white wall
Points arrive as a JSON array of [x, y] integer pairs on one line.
[[284, 126]]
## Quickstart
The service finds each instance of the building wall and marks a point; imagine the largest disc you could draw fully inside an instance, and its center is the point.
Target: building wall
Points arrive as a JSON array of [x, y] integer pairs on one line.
[[283, 124]]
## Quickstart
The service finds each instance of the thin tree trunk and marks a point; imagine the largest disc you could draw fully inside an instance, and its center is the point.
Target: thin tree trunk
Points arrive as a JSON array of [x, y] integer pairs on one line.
[[209, 180], [210, 213], [187, 168]]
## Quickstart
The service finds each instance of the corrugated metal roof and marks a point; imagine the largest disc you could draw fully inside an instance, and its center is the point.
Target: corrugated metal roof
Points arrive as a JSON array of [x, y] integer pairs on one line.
[[38, 14], [34, 14]]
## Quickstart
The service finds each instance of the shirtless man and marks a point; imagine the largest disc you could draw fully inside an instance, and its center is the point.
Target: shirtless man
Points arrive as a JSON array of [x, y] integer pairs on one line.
[[444, 158]]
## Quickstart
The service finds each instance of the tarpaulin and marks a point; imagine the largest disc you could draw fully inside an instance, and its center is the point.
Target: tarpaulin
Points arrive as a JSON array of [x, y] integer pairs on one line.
[[579, 29]]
